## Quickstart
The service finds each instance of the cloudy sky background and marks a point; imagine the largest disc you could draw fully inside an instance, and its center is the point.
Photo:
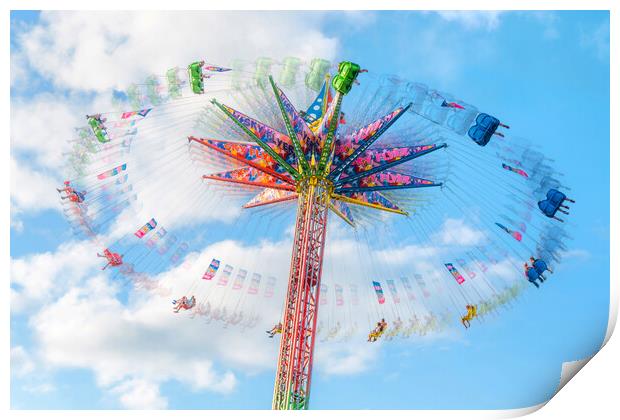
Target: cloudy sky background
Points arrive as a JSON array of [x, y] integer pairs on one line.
[[548, 72]]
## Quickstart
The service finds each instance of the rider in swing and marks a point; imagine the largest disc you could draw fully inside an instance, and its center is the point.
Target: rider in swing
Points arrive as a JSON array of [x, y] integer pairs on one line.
[[472, 312], [113, 258], [184, 303], [72, 194], [277, 329], [378, 331]]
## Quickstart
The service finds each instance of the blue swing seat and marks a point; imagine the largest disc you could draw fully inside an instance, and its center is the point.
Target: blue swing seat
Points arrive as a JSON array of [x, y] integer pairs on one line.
[[552, 203], [532, 274], [483, 129], [540, 266]]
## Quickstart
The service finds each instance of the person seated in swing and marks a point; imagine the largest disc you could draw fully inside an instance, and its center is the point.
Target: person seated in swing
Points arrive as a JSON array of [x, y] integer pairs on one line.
[[378, 331], [373, 335], [532, 275], [191, 302], [179, 303], [66, 189], [472, 312], [74, 196], [184, 303], [540, 265], [98, 118], [381, 326], [114, 259], [277, 329]]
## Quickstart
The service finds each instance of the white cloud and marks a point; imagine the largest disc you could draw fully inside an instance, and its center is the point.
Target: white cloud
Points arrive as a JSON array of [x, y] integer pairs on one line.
[[456, 232], [23, 367], [16, 224], [405, 254], [103, 50], [444, 54], [548, 20], [41, 126], [140, 345], [138, 394], [358, 19], [134, 347], [597, 40], [478, 19], [346, 358], [580, 254], [505, 270], [21, 362], [18, 71], [40, 278], [39, 388], [31, 189]]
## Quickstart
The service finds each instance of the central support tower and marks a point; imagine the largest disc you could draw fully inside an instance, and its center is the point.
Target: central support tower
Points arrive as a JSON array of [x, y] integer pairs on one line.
[[292, 385]]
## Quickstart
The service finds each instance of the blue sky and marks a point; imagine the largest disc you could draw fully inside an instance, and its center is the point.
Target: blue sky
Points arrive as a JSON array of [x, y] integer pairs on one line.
[[547, 75]]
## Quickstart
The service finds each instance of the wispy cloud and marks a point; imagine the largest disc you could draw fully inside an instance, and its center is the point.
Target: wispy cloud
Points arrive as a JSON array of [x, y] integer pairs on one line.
[[479, 19], [596, 39], [139, 394], [21, 362], [457, 232], [346, 358], [580, 254], [120, 44], [549, 22], [39, 388]]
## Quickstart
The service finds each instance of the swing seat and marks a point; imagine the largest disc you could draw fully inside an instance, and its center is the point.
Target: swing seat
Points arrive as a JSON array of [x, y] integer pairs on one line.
[[195, 77], [547, 208], [555, 197], [114, 259], [482, 130], [552, 203], [347, 73], [532, 274], [540, 266], [375, 335]]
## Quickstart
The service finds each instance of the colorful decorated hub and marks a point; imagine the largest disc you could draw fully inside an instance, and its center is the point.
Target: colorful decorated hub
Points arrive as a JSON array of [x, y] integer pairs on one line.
[[312, 152]]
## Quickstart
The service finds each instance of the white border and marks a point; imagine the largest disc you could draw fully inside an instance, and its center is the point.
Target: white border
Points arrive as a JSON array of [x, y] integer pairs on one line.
[[593, 394]]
